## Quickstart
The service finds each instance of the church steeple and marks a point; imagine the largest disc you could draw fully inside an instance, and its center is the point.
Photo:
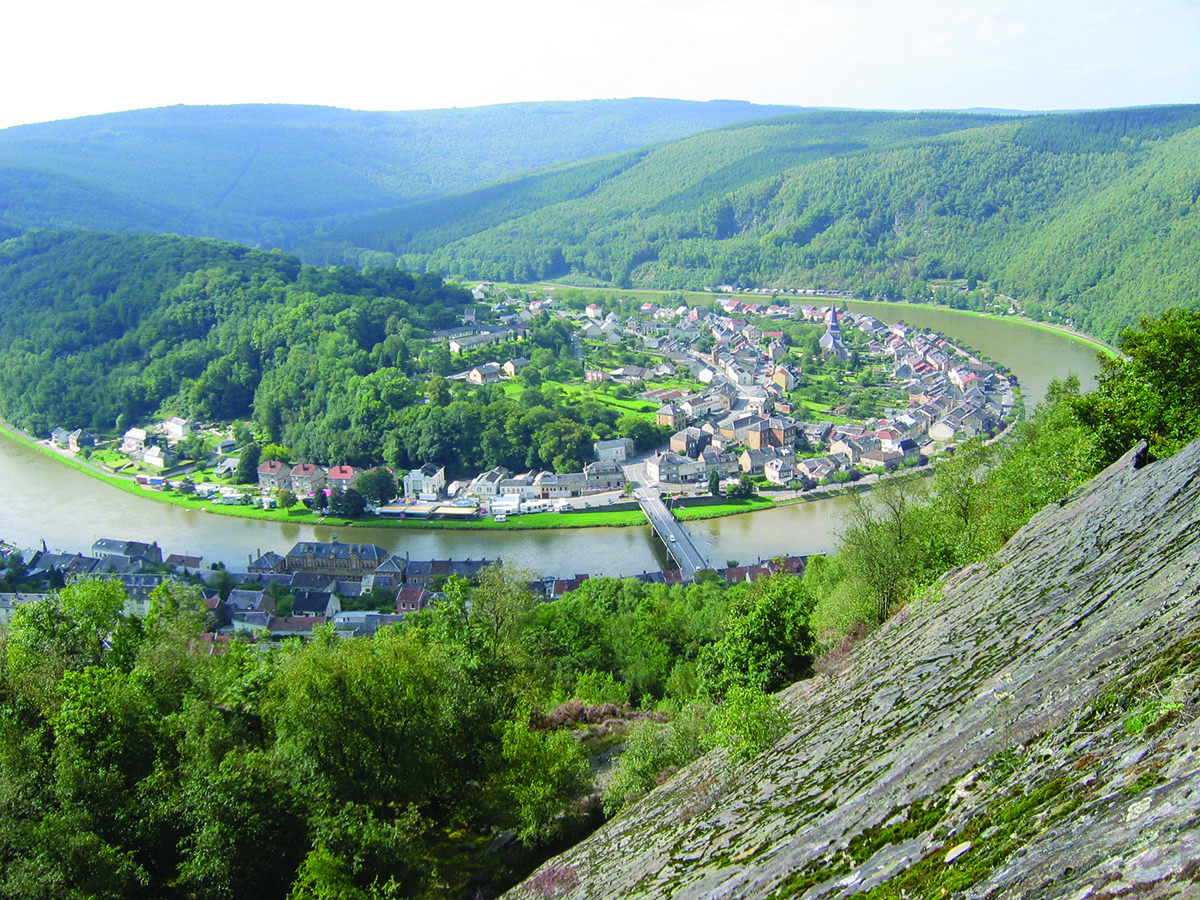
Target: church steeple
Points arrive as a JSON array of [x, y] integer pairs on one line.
[[831, 340]]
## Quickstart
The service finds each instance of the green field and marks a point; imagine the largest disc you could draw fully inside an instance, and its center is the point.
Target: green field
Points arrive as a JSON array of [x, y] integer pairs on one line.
[[728, 508]]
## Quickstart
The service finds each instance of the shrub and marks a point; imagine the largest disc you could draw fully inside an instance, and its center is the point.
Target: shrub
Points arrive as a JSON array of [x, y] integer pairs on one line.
[[747, 722], [653, 753], [595, 688]]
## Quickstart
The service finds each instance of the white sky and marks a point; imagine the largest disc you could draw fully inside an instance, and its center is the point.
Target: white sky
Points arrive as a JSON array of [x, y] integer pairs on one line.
[[71, 58]]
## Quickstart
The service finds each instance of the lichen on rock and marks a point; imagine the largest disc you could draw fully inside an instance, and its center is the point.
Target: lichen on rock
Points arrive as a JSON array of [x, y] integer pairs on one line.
[[995, 716]]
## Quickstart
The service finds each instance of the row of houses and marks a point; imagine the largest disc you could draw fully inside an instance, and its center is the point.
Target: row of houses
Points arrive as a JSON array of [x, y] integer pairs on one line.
[[601, 475], [304, 479]]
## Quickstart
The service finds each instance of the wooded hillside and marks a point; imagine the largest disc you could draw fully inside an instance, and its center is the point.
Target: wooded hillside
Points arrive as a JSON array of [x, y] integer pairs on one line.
[[267, 174], [1086, 216]]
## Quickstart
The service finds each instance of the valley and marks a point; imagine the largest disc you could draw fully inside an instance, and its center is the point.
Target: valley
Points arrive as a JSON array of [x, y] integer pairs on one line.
[[976, 679]]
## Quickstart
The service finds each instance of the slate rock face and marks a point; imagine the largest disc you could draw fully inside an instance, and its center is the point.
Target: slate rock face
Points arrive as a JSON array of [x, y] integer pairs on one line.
[[1041, 711]]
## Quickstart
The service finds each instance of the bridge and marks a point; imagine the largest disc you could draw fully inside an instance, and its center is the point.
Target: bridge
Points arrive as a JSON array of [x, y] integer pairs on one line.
[[675, 537]]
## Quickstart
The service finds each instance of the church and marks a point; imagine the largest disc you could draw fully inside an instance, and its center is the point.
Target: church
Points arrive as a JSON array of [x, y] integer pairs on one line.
[[832, 345]]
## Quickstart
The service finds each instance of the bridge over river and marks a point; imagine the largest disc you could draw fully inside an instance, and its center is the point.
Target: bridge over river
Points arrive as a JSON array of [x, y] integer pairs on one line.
[[678, 541]]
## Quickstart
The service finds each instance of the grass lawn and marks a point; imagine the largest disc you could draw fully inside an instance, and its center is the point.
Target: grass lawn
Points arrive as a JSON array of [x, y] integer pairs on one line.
[[728, 508]]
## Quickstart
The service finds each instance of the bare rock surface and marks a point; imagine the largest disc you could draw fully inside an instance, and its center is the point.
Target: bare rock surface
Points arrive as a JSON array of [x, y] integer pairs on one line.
[[1042, 712]]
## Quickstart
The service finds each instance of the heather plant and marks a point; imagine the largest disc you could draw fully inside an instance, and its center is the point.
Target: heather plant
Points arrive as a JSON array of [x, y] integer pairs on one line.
[[553, 881]]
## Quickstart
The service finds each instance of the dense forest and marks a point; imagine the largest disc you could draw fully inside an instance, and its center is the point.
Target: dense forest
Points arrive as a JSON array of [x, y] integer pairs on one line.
[[100, 331], [448, 756], [1084, 217], [270, 174]]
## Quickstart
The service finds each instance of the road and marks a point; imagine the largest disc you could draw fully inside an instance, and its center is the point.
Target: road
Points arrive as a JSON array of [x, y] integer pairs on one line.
[[683, 548]]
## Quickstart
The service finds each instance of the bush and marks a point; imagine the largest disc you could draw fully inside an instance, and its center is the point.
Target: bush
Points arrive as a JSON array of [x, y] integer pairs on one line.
[[747, 722], [595, 688], [653, 753]]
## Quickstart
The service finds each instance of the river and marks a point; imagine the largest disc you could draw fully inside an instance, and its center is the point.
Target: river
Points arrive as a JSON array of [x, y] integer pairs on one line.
[[43, 500]]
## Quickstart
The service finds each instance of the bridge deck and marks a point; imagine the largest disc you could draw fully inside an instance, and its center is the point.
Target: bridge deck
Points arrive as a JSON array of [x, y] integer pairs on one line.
[[677, 539]]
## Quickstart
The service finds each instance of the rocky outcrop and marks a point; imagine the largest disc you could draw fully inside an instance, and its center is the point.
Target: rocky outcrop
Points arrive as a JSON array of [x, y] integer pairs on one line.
[[1028, 730]]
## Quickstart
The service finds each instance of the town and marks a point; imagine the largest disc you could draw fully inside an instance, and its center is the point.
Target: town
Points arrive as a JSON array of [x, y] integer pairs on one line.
[[356, 588], [721, 384], [737, 430]]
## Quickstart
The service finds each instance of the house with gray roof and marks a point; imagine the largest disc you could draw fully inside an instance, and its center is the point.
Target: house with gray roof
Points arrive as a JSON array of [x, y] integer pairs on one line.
[[335, 558]]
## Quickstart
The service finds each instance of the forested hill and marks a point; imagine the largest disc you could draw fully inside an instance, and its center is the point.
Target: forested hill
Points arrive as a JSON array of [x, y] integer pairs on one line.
[[260, 174], [98, 330], [1089, 217], [1084, 217], [101, 331]]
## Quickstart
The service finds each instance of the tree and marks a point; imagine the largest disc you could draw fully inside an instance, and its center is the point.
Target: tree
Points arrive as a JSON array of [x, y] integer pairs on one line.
[[546, 771], [747, 722], [247, 467], [286, 499], [192, 447], [377, 486], [242, 434], [349, 503], [438, 391], [879, 545], [767, 642], [714, 482], [382, 723], [58, 633], [1151, 393], [563, 444], [275, 452], [743, 489]]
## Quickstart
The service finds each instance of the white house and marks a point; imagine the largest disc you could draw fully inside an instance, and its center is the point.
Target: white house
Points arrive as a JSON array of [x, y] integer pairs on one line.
[[615, 450], [427, 480], [176, 429]]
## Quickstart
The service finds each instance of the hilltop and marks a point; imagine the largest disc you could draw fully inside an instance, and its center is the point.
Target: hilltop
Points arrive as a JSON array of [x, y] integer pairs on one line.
[[266, 173], [1027, 730], [1085, 218]]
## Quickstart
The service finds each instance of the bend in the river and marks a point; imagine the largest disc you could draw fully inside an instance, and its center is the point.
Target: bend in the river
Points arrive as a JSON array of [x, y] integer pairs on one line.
[[69, 510]]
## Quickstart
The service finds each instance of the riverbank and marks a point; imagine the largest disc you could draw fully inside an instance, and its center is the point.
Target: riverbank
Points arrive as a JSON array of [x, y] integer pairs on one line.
[[299, 516], [1020, 319]]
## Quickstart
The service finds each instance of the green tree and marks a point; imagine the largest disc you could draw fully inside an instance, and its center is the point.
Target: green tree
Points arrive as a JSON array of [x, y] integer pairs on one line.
[[880, 545], [385, 723], [714, 482], [767, 642], [349, 503], [275, 452], [61, 632], [377, 486], [247, 467], [545, 771], [747, 722], [1151, 393], [744, 487]]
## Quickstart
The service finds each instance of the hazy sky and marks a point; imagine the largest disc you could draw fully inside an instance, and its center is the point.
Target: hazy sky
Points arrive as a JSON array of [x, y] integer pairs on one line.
[[70, 58]]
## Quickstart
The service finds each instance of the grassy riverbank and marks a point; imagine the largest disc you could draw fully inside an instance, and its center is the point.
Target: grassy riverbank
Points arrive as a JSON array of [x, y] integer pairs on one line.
[[298, 515], [718, 510]]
